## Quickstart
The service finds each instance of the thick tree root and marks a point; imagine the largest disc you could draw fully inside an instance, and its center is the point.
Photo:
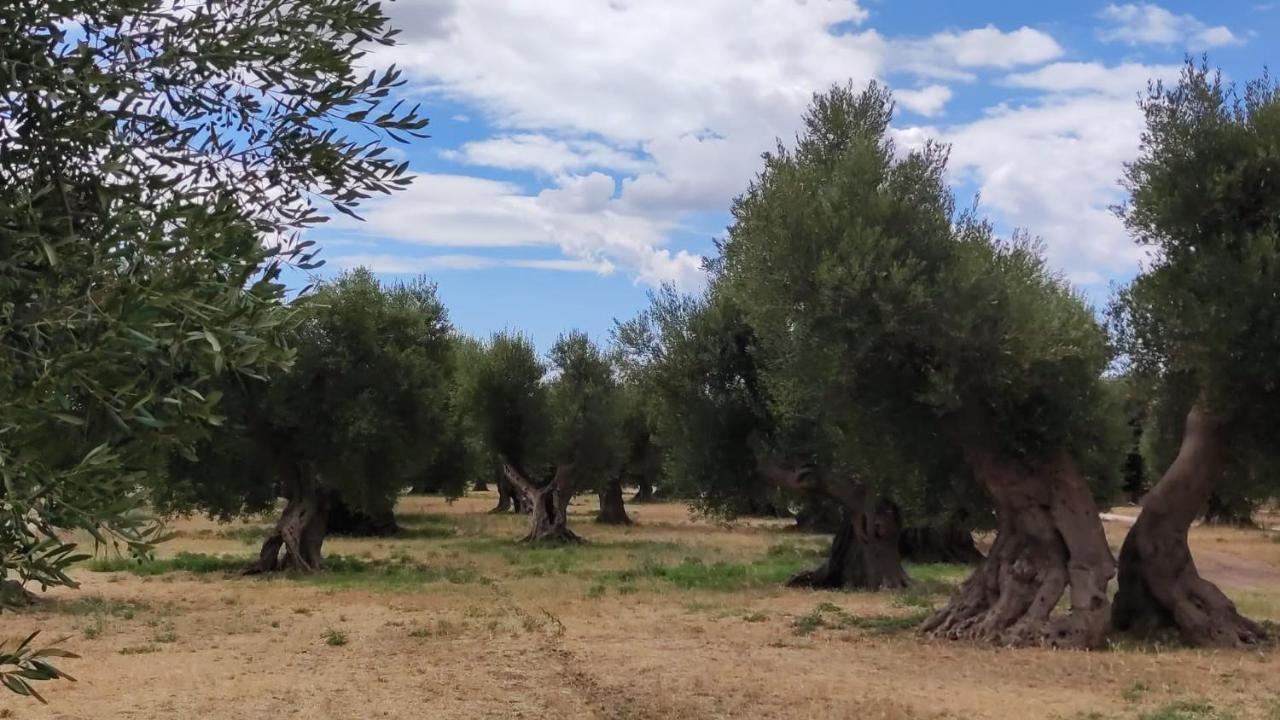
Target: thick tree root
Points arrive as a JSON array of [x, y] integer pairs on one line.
[[1050, 539]]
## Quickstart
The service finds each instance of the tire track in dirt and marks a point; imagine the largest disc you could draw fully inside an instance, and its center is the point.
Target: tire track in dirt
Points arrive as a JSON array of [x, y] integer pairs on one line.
[[606, 701]]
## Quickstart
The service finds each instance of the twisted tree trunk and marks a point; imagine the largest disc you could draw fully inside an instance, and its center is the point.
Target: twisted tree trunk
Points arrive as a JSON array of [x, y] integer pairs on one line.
[[939, 544], [864, 553], [509, 498], [1159, 585], [612, 509], [549, 505], [1049, 538], [299, 532]]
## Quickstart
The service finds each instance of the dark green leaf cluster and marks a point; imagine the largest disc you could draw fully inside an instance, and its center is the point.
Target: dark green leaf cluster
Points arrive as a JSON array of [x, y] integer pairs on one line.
[[540, 416], [363, 411], [1200, 322]]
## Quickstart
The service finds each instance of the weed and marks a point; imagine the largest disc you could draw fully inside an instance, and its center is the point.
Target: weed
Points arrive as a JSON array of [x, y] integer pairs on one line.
[[596, 591], [139, 649], [335, 638], [1135, 692], [755, 617], [98, 605], [1187, 710], [97, 624]]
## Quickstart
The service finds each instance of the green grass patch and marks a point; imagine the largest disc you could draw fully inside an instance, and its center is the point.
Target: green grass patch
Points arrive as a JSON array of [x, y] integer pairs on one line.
[[693, 573], [340, 571], [1187, 710], [831, 616], [98, 605], [537, 560], [197, 563], [428, 526], [1136, 692], [335, 638]]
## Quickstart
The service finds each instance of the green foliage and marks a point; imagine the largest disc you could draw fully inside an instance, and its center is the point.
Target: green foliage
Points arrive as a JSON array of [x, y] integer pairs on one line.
[[538, 417], [857, 323], [22, 664], [702, 378], [361, 411], [1187, 710], [335, 638], [883, 316], [1200, 322], [508, 401], [341, 571], [147, 150]]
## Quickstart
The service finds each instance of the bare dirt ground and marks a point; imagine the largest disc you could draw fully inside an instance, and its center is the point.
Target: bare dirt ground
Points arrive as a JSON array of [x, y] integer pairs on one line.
[[674, 617]]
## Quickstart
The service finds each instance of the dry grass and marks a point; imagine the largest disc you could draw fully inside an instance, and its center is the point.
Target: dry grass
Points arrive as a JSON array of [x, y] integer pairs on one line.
[[672, 618]]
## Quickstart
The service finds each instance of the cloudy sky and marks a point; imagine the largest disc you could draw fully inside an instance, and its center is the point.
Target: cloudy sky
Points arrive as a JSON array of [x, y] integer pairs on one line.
[[585, 151]]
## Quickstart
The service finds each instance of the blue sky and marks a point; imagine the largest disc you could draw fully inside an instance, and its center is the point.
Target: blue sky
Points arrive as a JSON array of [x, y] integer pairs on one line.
[[583, 152]]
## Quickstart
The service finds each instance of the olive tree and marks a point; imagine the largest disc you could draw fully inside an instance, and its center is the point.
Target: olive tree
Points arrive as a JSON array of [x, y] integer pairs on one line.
[[358, 416], [554, 427], [899, 339], [1200, 322]]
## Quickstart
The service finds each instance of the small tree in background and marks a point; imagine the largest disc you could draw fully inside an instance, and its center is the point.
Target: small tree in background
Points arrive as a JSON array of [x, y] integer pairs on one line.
[[1200, 324], [358, 416], [553, 435]]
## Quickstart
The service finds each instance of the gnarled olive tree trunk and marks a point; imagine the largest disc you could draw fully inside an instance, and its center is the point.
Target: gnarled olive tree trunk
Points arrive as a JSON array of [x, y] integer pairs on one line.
[[549, 504], [300, 530], [1159, 584], [1049, 539], [948, 543], [612, 509], [510, 499], [864, 553]]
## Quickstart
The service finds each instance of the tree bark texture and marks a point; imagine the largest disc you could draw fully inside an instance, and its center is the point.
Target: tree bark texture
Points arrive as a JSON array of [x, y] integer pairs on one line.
[[549, 505], [864, 552], [1160, 587], [1049, 540], [299, 532], [612, 509]]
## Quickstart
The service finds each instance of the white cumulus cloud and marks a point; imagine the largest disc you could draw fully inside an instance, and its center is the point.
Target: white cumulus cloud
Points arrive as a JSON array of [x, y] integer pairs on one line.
[[1151, 24]]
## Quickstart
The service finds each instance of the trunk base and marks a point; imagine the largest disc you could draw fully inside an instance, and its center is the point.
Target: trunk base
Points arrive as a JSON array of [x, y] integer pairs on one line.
[[864, 554], [1161, 591], [612, 510], [1049, 539], [1159, 585], [300, 532]]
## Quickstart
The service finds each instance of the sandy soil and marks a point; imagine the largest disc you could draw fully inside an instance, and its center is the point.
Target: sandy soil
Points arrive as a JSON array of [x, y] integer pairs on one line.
[[515, 643]]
